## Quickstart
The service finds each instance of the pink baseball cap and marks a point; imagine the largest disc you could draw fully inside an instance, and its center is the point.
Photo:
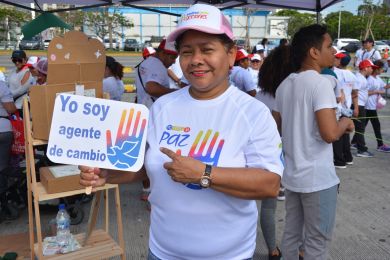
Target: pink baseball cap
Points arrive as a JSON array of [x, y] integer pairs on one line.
[[168, 47], [203, 18], [148, 51]]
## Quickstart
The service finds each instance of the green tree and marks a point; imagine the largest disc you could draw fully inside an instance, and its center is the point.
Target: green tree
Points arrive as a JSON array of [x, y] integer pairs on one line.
[[105, 23], [351, 26], [11, 17], [297, 20]]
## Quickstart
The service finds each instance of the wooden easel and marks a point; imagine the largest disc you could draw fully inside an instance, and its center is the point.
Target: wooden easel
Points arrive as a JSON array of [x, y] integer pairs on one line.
[[96, 244]]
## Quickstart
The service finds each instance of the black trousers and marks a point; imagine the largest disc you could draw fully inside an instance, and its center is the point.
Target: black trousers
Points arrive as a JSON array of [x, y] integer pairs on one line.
[[373, 118], [342, 151], [360, 126]]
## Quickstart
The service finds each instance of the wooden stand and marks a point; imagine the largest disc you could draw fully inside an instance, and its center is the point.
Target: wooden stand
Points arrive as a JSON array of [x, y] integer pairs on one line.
[[96, 244]]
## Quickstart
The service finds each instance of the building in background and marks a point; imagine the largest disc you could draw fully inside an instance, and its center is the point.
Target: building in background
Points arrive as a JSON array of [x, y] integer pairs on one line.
[[249, 24]]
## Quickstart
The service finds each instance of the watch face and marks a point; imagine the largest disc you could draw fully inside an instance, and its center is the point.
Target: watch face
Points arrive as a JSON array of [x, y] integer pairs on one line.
[[205, 182]]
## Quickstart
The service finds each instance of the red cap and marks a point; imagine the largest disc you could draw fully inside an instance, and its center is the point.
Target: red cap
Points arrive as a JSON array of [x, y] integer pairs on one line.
[[367, 63], [148, 51], [167, 47], [340, 55], [241, 54]]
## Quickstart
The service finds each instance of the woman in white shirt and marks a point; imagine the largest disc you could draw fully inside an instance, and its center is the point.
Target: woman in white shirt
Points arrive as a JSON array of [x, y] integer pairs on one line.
[[112, 82], [226, 152]]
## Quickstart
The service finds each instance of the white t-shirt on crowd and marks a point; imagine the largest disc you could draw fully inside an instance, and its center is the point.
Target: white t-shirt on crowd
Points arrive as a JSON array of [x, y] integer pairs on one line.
[[193, 223], [5, 97], [358, 56], [363, 89], [372, 55], [151, 69], [242, 79], [267, 99], [374, 83], [18, 90], [114, 87], [255, 77], [309, 159], [175, 67], [348, 83]]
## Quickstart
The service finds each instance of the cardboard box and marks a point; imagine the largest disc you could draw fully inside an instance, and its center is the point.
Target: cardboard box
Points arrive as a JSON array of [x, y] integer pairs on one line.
[[42, 104], [54, 184], [72, 59]]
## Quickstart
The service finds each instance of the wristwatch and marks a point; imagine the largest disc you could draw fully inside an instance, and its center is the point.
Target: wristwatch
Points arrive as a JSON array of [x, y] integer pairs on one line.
[[205, 180]]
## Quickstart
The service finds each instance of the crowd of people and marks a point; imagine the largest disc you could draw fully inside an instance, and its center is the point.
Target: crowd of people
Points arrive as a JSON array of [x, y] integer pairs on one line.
[[260, 126]]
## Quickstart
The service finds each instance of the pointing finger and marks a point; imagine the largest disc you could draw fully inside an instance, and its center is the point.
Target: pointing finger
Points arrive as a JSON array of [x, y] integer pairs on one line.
[[171, 154]]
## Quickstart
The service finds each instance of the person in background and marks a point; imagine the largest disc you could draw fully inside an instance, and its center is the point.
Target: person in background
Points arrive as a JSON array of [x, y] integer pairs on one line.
[[269, 80], [112, 82], [358, 56], [376, 87], [175, 74], [350, 87], [39, 70], [358, 142], [305, 114], [152, 82], [254, 68], [20, 80], [240, 75], [370, 53], [264, 44], [203, 192], [283, 42], [7, 107]]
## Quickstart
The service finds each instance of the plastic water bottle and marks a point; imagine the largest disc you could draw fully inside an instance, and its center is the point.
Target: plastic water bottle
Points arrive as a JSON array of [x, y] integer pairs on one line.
[[63, 224]]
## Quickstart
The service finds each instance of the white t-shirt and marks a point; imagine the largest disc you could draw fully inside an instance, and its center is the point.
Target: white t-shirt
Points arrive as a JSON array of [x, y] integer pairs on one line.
[[5, 97], [309, 159], [151, 69], [267, 99], [358, 56], [235, 130], [363, 89], [255, 77], [374, 83], [18, 90], [372, 55], [175, 67], [242, 79], [348, 83], [114, 87]]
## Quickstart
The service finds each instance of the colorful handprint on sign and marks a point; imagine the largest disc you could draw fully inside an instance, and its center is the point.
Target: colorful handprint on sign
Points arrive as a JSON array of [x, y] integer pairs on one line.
[[125, 152], [207, 157]]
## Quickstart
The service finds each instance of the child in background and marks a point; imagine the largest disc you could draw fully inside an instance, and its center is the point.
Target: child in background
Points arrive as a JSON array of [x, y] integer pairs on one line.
[[376, 87]]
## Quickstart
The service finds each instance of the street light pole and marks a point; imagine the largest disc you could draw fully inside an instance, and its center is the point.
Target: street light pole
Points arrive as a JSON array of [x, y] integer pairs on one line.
[[338, 32]]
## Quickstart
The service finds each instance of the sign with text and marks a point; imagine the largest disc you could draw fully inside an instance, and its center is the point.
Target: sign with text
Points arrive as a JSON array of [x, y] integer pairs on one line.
[[98, 133]]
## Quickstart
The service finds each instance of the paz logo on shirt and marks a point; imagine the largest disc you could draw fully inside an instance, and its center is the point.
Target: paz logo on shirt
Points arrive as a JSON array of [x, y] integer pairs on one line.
[[206, 147]]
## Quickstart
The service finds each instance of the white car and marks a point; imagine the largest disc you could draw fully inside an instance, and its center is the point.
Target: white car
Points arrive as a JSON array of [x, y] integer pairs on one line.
[[342, 42], [381, 46], [115, 43]]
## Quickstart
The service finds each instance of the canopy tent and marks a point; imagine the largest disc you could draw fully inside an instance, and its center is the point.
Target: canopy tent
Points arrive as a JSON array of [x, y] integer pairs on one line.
[[308, 5], [42, 22]]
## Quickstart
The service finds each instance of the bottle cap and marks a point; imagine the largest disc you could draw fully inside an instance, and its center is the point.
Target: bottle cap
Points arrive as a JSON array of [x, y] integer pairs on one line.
[[61, 206]]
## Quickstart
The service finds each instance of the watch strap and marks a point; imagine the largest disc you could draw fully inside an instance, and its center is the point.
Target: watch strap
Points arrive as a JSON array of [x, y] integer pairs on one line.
[[207, 170]]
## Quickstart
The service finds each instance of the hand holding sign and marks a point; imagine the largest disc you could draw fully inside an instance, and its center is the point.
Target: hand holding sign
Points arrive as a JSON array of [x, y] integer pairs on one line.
[[126, 150]]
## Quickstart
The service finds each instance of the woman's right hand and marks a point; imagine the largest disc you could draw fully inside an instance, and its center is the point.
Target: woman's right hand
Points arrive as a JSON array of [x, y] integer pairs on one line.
[[92, 177]]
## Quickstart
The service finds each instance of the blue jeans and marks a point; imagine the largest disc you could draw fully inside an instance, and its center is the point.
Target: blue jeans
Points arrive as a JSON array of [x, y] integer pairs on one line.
[[151, 256]]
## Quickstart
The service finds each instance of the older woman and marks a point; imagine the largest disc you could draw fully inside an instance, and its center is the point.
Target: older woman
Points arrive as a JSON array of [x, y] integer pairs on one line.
[[228, 153]]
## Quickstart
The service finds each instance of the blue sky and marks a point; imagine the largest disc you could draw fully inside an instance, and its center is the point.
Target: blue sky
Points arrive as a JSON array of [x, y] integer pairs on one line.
[[348, 5]]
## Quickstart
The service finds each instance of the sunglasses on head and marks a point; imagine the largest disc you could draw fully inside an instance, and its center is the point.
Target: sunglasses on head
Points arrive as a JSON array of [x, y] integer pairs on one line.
[[15, 60]]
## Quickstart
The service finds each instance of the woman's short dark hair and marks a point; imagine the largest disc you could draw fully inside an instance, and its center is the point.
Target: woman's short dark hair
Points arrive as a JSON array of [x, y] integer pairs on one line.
[[275, 69], [305, 39], [115, 67], [225, 40]]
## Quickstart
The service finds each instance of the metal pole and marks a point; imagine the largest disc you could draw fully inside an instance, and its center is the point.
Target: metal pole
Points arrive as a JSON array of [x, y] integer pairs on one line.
[[338, 31]]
